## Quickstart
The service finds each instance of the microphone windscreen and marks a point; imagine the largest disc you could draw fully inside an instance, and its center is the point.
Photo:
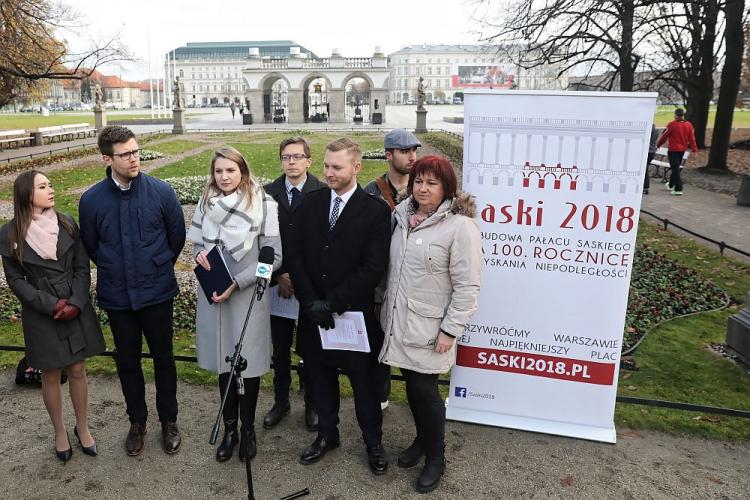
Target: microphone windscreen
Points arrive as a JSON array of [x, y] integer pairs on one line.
[[266, 255]]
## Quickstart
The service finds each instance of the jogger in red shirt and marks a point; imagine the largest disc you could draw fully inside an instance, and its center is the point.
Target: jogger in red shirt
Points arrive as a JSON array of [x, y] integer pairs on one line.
[[680, 135]]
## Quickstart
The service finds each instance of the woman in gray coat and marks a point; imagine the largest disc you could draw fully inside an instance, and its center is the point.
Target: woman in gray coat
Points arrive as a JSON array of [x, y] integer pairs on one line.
[[47, 268], [431, 292], [236, 215]]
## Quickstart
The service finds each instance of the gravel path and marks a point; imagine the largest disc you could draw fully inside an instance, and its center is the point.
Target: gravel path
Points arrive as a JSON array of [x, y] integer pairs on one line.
[[483, 462]]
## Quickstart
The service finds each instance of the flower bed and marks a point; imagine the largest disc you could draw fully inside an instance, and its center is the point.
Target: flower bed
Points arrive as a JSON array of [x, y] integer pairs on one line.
[[374, 154], [661, 289], [148, 154]]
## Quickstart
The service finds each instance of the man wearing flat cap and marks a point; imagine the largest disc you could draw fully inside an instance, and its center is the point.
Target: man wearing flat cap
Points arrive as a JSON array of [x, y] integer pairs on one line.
[[401, 152]]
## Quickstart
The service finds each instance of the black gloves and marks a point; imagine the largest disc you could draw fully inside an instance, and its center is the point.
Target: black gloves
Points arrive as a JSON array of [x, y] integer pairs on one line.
[[319, 312]]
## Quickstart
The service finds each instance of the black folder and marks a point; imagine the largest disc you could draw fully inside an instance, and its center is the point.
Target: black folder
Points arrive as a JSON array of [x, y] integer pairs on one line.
[[217, 279]]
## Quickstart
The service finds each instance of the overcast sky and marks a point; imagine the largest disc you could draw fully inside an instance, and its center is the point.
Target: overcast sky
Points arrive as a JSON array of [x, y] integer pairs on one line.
[[355, 27]]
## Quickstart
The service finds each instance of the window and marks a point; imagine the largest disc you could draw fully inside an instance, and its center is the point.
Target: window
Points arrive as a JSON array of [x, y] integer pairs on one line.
[[181, 74], [429, 70], [447, 83], [429, 61], [437, 70]]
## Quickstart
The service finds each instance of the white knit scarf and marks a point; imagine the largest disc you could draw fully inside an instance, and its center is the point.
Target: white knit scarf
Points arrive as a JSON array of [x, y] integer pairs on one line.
[[229, 222]]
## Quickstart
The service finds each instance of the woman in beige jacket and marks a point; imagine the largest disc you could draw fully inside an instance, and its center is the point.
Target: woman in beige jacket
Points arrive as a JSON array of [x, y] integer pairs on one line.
[[432, 287]]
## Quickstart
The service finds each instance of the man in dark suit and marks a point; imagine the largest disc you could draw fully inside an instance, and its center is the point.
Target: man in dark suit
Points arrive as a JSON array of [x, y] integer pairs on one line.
[[338, 256], [288, 190]]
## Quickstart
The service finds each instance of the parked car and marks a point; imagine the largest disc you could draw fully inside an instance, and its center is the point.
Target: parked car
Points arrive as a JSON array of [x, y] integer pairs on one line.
[[457, 100]]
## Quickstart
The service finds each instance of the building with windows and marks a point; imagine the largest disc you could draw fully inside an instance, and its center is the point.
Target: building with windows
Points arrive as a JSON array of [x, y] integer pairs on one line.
[[447, 70], [211, 72]]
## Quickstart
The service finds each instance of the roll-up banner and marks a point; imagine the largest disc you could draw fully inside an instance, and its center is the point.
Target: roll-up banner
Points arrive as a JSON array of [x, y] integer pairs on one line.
[[558, 178]]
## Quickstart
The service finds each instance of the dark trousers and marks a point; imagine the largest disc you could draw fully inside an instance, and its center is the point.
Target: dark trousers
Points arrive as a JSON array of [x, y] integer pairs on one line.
[[383, 381], [128, 329], [675, 179], [244, 404], [428, 410], [282, 335], [647, 180], [327, 398]]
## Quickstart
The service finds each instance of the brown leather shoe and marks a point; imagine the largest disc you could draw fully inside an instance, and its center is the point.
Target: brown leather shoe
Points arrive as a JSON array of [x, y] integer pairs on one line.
[[170, 437], [134, 441]]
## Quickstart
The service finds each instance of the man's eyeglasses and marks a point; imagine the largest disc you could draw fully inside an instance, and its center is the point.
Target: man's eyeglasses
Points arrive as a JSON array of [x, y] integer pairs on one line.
[[297, 157], [126, 155]]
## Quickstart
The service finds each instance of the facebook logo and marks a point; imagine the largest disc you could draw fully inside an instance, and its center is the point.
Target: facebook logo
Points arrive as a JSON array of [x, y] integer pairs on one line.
[[460, 392]]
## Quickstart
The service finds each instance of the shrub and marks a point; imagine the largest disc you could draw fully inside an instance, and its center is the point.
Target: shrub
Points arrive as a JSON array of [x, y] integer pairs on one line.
[[188, 189]]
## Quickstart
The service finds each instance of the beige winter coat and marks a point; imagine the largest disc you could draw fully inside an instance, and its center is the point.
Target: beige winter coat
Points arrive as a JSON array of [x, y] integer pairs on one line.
[[433, 282]]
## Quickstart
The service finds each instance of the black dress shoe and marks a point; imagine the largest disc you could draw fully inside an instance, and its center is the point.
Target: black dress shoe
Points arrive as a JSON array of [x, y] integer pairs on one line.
[[311, 419], [429, 478], [318, 449], [275, 415], [64, 455], [411, 455], [88, 450], [378, 460], [231, 438]]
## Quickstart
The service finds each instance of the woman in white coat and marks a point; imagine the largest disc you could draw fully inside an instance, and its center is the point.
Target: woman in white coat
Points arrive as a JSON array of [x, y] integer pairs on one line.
[[432, 287], [236, 215]]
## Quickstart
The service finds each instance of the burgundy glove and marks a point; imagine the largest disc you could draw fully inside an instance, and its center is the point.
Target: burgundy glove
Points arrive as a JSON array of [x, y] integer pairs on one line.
[[69, 312], [59, 306]]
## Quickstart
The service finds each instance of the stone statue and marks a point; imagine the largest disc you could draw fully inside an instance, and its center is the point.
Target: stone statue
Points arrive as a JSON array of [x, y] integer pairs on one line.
[[98, 95], [420, 93], [179, 101]]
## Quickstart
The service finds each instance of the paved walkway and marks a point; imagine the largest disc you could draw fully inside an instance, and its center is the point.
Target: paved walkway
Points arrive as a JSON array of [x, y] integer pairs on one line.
[[714, 215]]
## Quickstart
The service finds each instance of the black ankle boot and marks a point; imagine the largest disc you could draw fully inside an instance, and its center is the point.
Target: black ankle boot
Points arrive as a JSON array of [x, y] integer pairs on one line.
[[226, 448], [248, 445], [411, 455], [429, 478]]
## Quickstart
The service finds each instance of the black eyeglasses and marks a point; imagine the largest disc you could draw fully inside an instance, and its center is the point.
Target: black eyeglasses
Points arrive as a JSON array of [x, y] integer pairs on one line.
[[296, 157], [126, 155]]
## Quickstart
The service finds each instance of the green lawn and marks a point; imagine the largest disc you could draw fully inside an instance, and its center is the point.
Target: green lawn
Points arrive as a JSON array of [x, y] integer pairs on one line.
[[665, 114], [32, 120], [175, 147], [262, 153]]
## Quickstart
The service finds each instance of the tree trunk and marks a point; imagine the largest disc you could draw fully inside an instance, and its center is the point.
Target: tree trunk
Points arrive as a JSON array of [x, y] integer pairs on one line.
[[730, 84], [704, 79], [627, 65]]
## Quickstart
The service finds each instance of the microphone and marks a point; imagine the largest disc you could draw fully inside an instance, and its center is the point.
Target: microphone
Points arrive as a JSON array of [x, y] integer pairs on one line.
[[264, 270]]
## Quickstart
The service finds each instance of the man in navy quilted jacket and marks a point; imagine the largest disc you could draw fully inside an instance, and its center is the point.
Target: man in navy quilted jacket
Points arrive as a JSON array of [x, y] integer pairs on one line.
[[133, 229]]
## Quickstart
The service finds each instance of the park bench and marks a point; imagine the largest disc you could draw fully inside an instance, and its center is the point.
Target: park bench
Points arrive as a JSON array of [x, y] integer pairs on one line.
[[661, 160], [79, 130], [12, 138], [62, 133]]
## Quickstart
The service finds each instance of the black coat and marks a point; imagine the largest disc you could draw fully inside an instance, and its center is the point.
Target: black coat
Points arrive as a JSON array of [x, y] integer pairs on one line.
[[287, 213], [342, 266], [38, 284]]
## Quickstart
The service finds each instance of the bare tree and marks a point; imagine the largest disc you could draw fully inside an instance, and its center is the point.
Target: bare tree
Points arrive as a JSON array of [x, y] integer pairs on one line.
[[734, 11], [593, 35], [685, 54], [30, 50]]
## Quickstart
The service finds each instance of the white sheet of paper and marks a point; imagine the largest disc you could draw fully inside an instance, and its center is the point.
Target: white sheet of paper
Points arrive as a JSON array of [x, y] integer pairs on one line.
[[281, 307], [349, 334]]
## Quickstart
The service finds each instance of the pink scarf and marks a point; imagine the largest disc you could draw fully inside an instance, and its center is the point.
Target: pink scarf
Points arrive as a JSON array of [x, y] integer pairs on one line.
[[42, 234]]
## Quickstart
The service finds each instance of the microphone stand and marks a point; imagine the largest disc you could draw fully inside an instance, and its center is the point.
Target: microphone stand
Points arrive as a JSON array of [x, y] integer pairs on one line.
[[238, 365]]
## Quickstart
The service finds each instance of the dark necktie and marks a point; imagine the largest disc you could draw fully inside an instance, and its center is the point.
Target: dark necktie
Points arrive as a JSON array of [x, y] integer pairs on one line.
[[295, 197], [335, 211]]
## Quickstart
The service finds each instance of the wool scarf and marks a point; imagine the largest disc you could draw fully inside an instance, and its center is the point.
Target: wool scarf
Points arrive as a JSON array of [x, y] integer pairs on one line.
[[228, 221], [42, 234]]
